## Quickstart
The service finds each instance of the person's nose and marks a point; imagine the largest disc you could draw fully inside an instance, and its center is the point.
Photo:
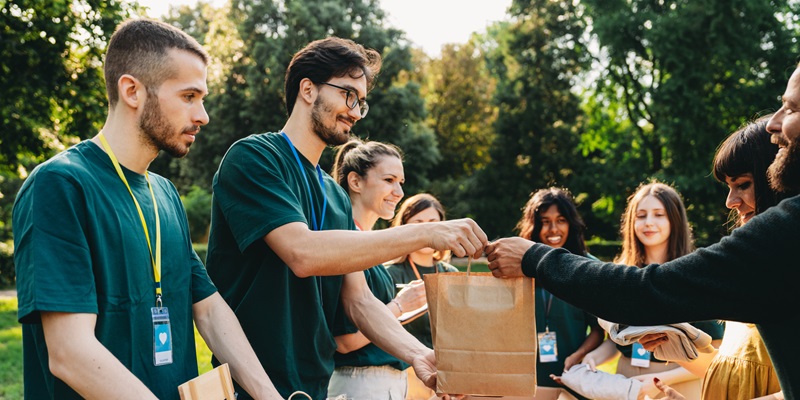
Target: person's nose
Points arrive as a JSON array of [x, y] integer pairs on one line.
[[733, 201], [355, 112], [775, 123], [552, 227], [201, 116], [398, 190]]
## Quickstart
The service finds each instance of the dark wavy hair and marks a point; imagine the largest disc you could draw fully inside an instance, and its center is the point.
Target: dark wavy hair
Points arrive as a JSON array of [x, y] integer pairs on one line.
[[331, 57], [360, 157], [530, 225], [749, 150]]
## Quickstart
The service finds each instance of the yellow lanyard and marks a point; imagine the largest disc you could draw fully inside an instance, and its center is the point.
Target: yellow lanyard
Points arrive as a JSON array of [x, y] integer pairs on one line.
[[157, 260]]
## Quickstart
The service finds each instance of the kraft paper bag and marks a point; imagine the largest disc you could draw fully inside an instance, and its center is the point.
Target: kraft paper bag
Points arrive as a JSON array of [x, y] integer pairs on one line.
[[484, 333]]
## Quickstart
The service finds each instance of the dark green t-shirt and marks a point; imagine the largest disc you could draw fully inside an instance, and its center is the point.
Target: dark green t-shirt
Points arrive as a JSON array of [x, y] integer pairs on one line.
[[80, 248], [403, 273], [382, 287], [288, 320], [570, 325]]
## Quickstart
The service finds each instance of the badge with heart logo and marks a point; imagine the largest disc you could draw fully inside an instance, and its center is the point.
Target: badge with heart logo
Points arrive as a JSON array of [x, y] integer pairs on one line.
[[639, 356], [548, 350], [162, 339]]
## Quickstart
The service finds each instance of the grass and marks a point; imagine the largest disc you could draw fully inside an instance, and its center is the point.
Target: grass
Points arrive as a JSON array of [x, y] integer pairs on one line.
[[10, 351]]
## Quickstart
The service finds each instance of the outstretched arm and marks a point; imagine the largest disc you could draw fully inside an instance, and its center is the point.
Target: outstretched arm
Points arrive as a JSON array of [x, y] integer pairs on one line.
[[219, 327], [337, 252]]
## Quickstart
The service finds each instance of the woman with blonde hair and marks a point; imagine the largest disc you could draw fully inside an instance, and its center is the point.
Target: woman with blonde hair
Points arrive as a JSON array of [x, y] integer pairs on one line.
[[654, 230], [372, 174]]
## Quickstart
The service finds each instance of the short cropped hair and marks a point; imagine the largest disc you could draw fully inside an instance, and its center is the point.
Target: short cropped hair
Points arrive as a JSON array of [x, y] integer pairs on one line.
[[139, 47], [323, 59]]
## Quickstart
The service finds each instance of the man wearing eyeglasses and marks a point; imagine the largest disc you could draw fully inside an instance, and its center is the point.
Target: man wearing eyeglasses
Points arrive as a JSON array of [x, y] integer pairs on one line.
[[283, 248]]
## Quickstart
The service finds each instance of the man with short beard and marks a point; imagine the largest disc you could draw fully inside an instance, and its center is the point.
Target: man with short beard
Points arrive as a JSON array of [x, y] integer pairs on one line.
[[283, 247], [107, 281], [749, 276]]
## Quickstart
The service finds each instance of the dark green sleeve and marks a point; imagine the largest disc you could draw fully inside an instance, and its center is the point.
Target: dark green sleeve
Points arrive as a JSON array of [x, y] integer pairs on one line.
[[728, 280]]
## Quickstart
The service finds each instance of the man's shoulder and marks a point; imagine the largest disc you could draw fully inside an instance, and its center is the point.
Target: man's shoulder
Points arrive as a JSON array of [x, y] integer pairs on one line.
[[73, 164]]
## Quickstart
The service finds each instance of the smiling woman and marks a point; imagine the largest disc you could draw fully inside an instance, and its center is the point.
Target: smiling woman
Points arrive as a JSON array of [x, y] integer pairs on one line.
[[550, 216]]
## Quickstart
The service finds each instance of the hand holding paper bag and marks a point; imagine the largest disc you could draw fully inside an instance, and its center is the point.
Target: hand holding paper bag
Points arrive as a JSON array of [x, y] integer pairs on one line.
[[467, 314]]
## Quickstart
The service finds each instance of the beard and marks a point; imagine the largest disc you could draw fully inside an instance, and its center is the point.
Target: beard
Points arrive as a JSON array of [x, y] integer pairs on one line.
[[329, 135], [159, 133], [784, 172]]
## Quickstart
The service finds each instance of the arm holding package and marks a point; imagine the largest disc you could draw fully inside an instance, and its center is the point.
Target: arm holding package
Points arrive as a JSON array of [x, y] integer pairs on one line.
[[745, 277]]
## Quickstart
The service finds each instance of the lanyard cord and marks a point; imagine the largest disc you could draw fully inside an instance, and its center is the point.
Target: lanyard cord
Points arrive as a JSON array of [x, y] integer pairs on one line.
[[156, 262], [311, 200], [549, 302], [416, 272], [308, 187]]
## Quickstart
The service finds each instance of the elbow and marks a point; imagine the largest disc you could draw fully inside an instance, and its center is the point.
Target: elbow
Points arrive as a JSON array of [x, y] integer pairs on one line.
[[300, 264], [301, 269], [58, 363]]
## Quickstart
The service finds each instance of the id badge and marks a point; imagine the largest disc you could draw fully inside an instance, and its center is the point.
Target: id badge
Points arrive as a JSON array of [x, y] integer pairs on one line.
[[639, 356], [548, 351], [162, 336]]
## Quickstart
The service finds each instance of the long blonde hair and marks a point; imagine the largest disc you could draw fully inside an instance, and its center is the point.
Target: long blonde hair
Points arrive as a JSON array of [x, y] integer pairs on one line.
[[680, 240]]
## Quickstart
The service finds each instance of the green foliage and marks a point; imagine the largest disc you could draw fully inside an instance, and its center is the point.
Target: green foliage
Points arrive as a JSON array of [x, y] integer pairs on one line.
[[676, 77], [51, 73], [198, 211], [536, 62], [7, 274]]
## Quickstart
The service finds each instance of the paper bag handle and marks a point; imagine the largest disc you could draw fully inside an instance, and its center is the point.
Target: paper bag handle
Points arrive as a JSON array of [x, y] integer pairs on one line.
[[469, 264]]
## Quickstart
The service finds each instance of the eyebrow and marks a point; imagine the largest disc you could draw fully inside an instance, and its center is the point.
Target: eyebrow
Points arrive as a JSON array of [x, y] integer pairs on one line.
[[353, 88], [194, 89], [789, 101]]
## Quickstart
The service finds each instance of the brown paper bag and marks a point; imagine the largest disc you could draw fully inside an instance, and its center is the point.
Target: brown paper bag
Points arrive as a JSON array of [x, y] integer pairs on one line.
[[484, 333]]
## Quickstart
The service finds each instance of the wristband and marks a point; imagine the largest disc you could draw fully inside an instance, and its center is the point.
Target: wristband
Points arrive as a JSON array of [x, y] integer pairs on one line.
[[397, 303]]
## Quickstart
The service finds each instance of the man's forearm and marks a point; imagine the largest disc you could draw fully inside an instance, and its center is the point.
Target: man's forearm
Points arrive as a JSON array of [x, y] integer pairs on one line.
[[378, 324], [83, 363], [338, 252], [219, 327]]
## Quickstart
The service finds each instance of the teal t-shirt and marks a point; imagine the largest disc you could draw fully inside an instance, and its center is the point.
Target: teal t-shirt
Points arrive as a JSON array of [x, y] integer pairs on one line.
[[383, 288], [288, 320], [80, 248], [420, 328], [570, 325]]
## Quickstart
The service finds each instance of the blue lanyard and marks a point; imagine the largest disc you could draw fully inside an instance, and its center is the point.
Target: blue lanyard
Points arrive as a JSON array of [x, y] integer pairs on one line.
[[311, 201], [549, 302], [308, 187]]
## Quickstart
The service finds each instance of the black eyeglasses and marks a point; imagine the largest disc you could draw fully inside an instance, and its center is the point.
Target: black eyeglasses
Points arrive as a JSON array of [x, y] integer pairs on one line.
[[352, 100]]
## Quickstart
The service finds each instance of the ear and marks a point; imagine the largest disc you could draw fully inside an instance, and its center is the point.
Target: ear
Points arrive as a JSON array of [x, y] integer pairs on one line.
[[354, 182], [307, 92], [131, 91]]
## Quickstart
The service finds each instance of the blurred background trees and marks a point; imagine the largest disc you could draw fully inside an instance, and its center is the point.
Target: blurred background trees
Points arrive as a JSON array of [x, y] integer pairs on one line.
[[597, 96]]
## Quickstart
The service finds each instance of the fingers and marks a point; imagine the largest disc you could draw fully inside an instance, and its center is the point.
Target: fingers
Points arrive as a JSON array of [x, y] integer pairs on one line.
[[556, 378]]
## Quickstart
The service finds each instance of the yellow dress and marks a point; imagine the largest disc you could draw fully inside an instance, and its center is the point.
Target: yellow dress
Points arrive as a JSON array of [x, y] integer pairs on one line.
[[742, 370]]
